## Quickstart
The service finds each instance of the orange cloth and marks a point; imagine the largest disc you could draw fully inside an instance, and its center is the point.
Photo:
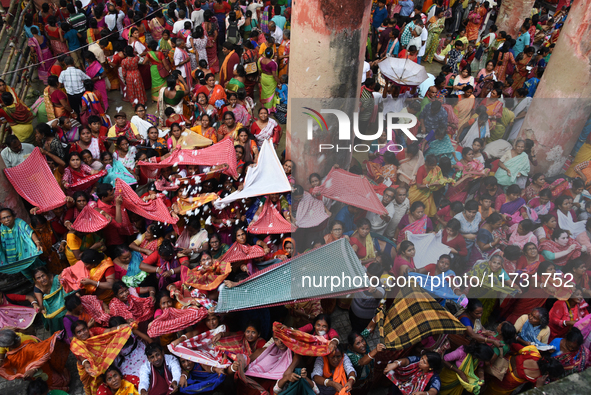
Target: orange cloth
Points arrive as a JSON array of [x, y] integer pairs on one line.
[[339, 375]]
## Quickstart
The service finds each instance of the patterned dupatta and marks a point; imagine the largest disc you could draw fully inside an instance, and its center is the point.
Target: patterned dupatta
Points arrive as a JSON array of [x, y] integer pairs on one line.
[[410, 379], [418, 227]]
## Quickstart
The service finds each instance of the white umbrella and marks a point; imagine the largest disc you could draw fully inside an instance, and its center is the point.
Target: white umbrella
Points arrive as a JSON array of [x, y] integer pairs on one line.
[[403, 71]]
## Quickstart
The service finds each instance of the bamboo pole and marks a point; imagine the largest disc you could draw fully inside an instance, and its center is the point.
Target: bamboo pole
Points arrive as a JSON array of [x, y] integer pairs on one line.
[[10, 56], [12, 10], [24, 55]]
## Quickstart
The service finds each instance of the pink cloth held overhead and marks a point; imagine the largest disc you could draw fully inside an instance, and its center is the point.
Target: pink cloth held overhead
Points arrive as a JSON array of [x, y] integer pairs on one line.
[[89, 221], [155, 209], [348, 188], [270, 221], [242, 252], [271, 364], [217, 154], [35, 182]]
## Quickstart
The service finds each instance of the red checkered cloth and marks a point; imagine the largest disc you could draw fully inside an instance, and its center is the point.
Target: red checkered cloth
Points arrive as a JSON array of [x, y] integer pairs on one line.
[[348, 188], [310, 212], [270, 222], [155, 209], [94, 308], [173, 320], [89, 221], [35, 182], [163, 185], [140, 309], [87, 182], [242, 252], [218, 154]]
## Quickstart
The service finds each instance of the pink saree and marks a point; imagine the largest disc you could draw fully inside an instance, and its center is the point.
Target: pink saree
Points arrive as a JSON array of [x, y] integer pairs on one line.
[[92, 71], [44, 56], [17, 316]]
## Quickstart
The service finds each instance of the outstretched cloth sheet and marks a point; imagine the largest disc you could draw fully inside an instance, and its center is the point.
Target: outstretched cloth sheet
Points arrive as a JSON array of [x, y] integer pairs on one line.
[[35, 182], [194, 202], [35, 354], [428, 247], [173, 320], [299, 342], [218, 154], [89, 221], [155, 209], [242, 252], [301, 278], [414, 316], [101, 350], [256, 181], [94, 307], [270, 221], [348, 188], [310, 212], [200, 349]]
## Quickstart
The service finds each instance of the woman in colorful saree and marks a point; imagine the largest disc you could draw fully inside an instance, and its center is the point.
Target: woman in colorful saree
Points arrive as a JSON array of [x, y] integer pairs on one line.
[[511, 205], [18, 243], [571, 353], [56, 101], [115, 383], [50, 295], [216, 95], [526, 365], [521, 63], [265, 128], [91, 105], [91, 362], [435, 26], [469, 170], [441, 146], [216, 247], [159, 69], [77, 172], [18, 116], [362, 242], [565, 313], [41, 53], [93, 272], [334, 373], [241, 113], [336, 232], [26, 357], [269, 80], [429, 179], [249, 145], [561, 248], [416, 222], [413, 375], [513, 164], [537, 184], [404, 261], [464, 369], [485, 79], [491, 268], [98, 76], [78, 242]]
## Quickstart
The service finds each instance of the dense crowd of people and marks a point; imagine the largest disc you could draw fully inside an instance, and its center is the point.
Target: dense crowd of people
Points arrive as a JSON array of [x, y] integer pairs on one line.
[[129, 251]]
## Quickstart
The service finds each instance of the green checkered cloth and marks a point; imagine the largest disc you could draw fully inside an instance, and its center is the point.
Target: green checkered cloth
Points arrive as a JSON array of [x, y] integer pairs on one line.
[[306, 276], [414, 316]]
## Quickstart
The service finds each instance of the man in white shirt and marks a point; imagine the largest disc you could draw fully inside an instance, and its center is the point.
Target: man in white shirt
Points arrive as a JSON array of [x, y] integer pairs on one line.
[[276, 33], [73, 81], [416, 37], [179, 57], [401, 206], [197, 14], [393, 100], [424, 36], [97, 49], [167, 367], [366, 71], [114, 19], [180, 24], [379, 223], [15, 152], [253, 7]]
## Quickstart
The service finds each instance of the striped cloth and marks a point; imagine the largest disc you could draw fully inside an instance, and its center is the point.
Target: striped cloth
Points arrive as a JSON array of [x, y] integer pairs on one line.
[[155, 209], [35, 182], [101, 350], [218, 154], [270, 221], [200, 349], [173, 320], [348, 188], [415, 316], [299, 342]]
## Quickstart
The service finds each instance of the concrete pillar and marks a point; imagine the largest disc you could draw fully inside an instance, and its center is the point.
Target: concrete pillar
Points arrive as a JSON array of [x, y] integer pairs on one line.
[[512, 14], [562, 102], [8, 196], [328, 41]]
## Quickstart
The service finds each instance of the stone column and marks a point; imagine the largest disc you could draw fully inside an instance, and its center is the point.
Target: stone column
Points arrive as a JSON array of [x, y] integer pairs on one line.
[[512, 14], [562, 102], [328, 41], [8, 196]]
